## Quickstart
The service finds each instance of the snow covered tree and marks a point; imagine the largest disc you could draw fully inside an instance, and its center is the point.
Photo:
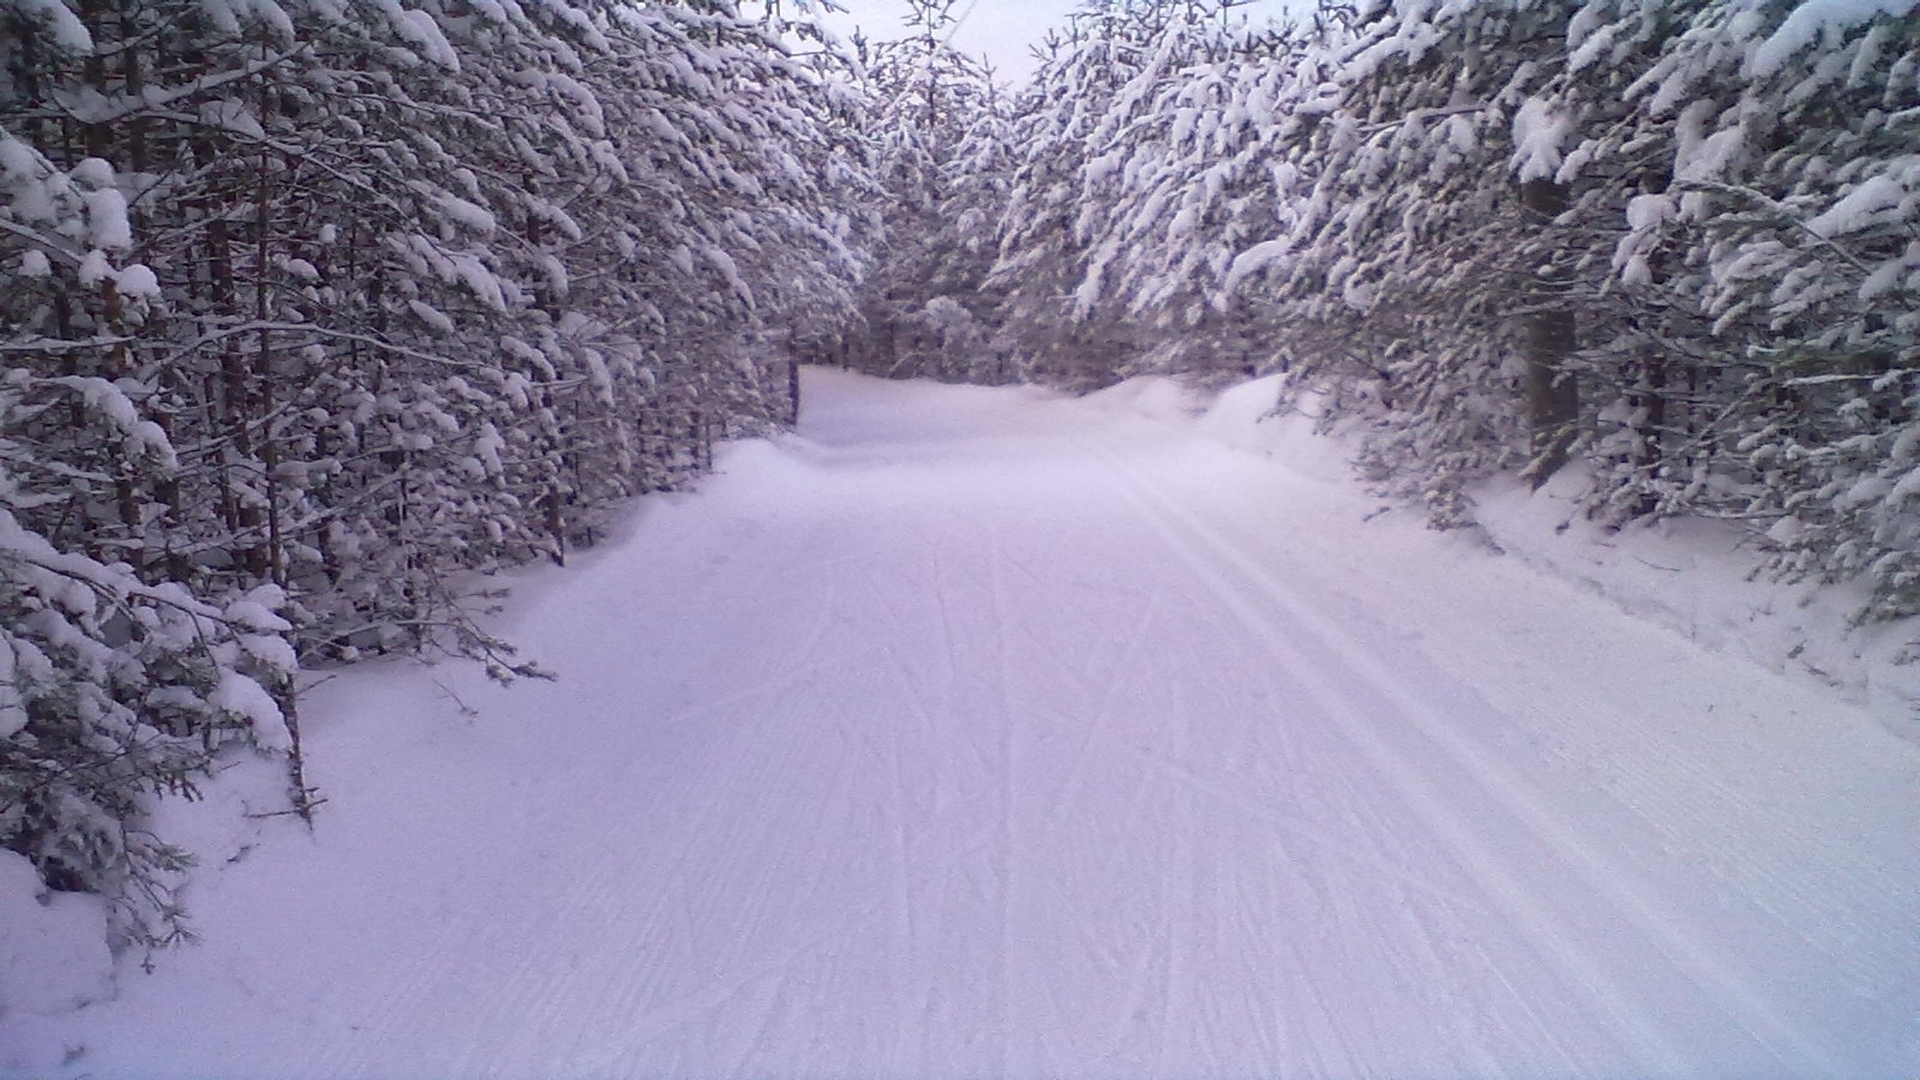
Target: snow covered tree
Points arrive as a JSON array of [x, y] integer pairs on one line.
[[1101, 79], [1669, 242], [1672, 241], [439, 285], [1426, 268], [310, 308], [111, 689], [1208, 170], [940, 167], [1788, 232]]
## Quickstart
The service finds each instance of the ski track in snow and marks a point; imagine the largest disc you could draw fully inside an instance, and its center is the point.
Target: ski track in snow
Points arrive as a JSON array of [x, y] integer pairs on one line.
[[979, 733], [1207, 553]]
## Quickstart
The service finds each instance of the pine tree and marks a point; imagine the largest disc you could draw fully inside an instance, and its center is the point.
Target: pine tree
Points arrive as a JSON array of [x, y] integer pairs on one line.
[[1101, 79], [311, 312], [1668, 243], [940, 167], [112, 690]]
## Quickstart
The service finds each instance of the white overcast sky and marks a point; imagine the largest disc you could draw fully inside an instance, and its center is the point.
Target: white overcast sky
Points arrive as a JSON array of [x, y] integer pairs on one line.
[[1004, 31]]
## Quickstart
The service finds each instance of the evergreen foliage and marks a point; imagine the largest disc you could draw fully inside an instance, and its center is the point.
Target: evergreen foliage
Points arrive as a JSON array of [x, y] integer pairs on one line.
[[1673, 243], [312, 310], [1095, 88], [307, 309], [940, 143]]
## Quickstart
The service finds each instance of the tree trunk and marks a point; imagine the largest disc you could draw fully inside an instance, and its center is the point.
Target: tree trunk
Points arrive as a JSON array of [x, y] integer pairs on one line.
[[1652, 405], [1553, 394]]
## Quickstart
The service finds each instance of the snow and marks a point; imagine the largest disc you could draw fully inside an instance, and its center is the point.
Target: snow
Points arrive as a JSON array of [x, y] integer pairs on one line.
[[475, 275], [232, 15], [1809, 21], [1252, 261], [137, 282], [431, 315], [1645, 214], [94, 268], [33, 190], [1866, 205], [419, 29], [730, 271], [471, 216], [13, 713], [53, 952], [68, 33], [107, 224], [1537, 137], [248, 700], [255, 612], [983, 732], [104, 398]]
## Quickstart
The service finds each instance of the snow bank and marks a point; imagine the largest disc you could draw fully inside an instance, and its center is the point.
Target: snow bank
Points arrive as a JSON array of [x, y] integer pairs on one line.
[[1245, 416], [1696, 578], [1701, 579], [1152, 396]]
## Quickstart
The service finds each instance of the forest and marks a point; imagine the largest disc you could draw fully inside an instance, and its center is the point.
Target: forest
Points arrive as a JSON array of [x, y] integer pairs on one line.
[[316, 313]]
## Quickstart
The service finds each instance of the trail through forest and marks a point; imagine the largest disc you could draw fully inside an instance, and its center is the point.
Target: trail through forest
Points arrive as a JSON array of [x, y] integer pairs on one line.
[[985, 733]]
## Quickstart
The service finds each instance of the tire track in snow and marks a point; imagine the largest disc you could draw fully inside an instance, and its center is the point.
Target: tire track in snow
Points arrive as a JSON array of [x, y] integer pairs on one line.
[[1211, 556]]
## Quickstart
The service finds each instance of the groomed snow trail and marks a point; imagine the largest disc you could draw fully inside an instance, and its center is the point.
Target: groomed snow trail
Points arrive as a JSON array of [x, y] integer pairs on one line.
[[980, 733]]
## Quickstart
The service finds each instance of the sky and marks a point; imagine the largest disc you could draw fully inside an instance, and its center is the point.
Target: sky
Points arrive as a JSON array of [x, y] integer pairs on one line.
[[1004, 31]]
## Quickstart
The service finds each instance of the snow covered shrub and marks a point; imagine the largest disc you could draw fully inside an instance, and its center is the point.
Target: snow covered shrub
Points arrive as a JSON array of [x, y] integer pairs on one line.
[[113, 692]]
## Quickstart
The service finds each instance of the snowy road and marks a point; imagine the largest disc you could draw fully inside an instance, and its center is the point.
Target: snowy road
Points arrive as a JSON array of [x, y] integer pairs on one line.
[[976, 733]]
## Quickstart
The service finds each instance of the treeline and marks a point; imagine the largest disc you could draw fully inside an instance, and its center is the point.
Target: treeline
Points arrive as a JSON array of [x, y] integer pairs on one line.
[[1673, 245], [941, 159], [311, 310]]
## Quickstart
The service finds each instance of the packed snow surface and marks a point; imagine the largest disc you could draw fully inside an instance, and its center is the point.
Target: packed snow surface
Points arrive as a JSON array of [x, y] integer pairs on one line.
[[983, 733]]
